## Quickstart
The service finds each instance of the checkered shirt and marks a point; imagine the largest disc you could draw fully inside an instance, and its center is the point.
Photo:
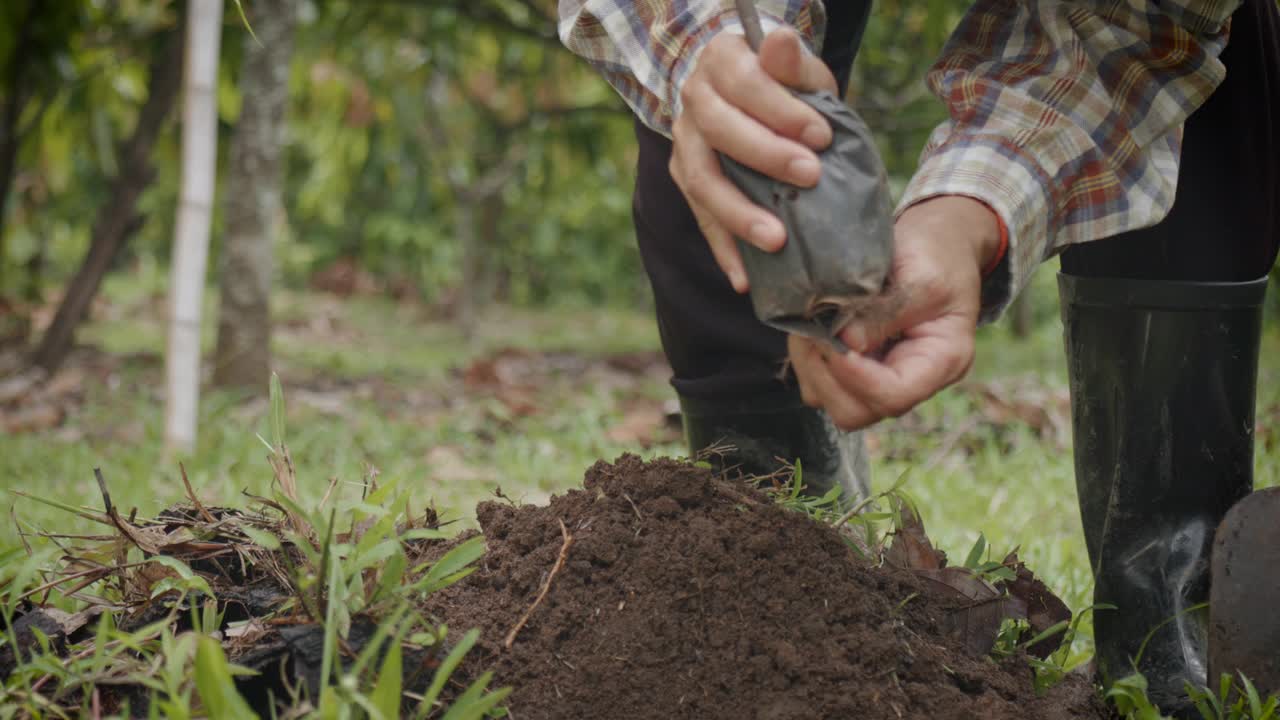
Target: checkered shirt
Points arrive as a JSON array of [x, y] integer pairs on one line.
[[1065, 116]]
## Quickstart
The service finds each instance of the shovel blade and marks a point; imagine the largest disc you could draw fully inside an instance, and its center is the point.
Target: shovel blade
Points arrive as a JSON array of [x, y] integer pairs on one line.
[[1244, 621]]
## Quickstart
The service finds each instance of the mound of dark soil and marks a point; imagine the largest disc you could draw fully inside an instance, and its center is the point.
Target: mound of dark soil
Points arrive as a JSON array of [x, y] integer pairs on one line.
[[686, 596]]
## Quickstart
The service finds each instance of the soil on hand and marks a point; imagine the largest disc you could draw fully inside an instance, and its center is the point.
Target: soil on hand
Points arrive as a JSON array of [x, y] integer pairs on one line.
[[683, 595]]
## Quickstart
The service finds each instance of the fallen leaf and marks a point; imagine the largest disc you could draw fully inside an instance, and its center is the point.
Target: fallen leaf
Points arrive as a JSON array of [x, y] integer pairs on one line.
[[645, 424], [960, 581], [31, 419], [67, 381], [71, 622], [247, 633], [976, 626], [15, 387], [911, 548], [1044, 609]]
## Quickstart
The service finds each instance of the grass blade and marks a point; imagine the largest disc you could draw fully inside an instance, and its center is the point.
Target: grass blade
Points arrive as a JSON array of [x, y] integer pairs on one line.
[[214, 683], [450, 663], [276, 396], [386, 692]]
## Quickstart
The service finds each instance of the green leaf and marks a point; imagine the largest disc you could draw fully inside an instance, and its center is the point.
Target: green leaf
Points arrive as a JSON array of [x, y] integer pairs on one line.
[[474, 704], [976, 553], [452, 566], [215, 685], [375, 556], [386, 693], [261, 537], [450, 663], [277, 406], [384, 491], [392, 576], [86, 513], [1049, 632], [244, 19], [1251, 692]]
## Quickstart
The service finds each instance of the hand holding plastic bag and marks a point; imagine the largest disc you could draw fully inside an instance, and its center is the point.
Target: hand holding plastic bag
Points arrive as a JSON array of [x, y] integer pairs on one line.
[[839, 248]]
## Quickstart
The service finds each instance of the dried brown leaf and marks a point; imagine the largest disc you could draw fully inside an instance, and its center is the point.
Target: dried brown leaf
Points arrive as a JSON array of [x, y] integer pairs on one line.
[[33, 418], [976, 626], [16, 386], [642, 425], [71, 622], [911, 548], [976, 623], [1044, 609]]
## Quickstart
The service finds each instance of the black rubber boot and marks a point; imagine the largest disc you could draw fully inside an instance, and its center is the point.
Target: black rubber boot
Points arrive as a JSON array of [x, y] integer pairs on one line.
[[760, 434], [1163, 377]]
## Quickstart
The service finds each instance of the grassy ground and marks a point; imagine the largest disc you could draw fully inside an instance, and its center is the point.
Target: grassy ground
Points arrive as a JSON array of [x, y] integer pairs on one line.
[[370, 383]]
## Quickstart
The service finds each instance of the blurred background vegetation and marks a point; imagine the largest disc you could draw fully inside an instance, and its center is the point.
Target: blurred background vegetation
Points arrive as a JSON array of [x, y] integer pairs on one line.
[[399, 111]]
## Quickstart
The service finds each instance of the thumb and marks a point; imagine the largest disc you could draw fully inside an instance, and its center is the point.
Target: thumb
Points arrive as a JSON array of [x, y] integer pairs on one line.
[[785, 58]]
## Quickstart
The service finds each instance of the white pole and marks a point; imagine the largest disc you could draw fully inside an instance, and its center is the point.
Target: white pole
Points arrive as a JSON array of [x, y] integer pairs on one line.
[[191, 235]]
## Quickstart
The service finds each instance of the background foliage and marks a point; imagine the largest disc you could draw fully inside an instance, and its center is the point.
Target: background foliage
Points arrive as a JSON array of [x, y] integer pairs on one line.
[[384, 132]]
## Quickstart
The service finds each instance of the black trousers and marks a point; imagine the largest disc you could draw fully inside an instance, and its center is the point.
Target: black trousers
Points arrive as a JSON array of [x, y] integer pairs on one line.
[[1224, 225]]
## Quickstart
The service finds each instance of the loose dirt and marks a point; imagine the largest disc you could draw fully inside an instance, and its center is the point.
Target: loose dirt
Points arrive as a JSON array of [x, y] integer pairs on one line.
[[684, 595]]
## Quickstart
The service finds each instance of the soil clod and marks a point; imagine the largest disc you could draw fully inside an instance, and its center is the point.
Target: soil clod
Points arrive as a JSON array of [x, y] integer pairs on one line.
[[679, 600]]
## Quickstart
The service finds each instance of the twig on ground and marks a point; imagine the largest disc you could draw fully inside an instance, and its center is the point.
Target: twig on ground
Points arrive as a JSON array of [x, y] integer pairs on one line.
[[724, 489], [546, 586], [633, 507], [333, 483], [102, 487], [22, 534], [192, 494], [131, 533]]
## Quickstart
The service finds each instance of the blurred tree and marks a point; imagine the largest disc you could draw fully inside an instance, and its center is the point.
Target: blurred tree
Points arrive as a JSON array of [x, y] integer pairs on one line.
[[118, 217], [252, 208]]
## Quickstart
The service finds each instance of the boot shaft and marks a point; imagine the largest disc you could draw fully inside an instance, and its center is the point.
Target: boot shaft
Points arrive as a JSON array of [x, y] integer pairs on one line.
[[1163, 379]]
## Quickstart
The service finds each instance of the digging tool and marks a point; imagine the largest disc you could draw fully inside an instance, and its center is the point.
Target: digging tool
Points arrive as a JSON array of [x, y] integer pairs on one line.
[[1244, 624], [836, 261]]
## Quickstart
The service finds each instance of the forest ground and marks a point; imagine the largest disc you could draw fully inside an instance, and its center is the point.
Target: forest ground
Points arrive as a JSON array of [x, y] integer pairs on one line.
[[525, 403]]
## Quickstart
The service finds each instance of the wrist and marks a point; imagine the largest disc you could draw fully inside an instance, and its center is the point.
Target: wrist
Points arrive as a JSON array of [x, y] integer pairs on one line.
[[966, 221]]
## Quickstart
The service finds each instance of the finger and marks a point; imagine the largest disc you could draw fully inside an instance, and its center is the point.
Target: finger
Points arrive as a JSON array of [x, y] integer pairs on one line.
[[741, 80], [724, 249], [845, 410], [743, 138], [800, 351], [784, 57], [697, 171], [913, 371]]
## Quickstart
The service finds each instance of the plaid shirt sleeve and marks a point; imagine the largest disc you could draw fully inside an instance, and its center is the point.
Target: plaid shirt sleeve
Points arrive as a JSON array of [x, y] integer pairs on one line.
[[1066, 118], [646, 48]]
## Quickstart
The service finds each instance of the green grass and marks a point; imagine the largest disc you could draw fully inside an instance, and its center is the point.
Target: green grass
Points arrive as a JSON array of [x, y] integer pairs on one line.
[[372, 383]]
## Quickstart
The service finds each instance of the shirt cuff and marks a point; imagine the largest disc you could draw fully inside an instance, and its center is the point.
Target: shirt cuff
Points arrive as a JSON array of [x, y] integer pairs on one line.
[[992, 170], [687, 58]]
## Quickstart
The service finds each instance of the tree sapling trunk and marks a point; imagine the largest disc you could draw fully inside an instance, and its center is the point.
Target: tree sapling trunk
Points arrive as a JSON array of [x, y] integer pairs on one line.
[[253, 203]]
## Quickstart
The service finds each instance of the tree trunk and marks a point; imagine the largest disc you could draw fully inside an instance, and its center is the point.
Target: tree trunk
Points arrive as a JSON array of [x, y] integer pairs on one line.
[[117, 219], [253, 201], [490, 244], [464, 213], [195, 216]]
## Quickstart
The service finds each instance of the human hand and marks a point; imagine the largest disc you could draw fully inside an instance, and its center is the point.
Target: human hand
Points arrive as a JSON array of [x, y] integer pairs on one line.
[[941, 246], [736, 102]]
